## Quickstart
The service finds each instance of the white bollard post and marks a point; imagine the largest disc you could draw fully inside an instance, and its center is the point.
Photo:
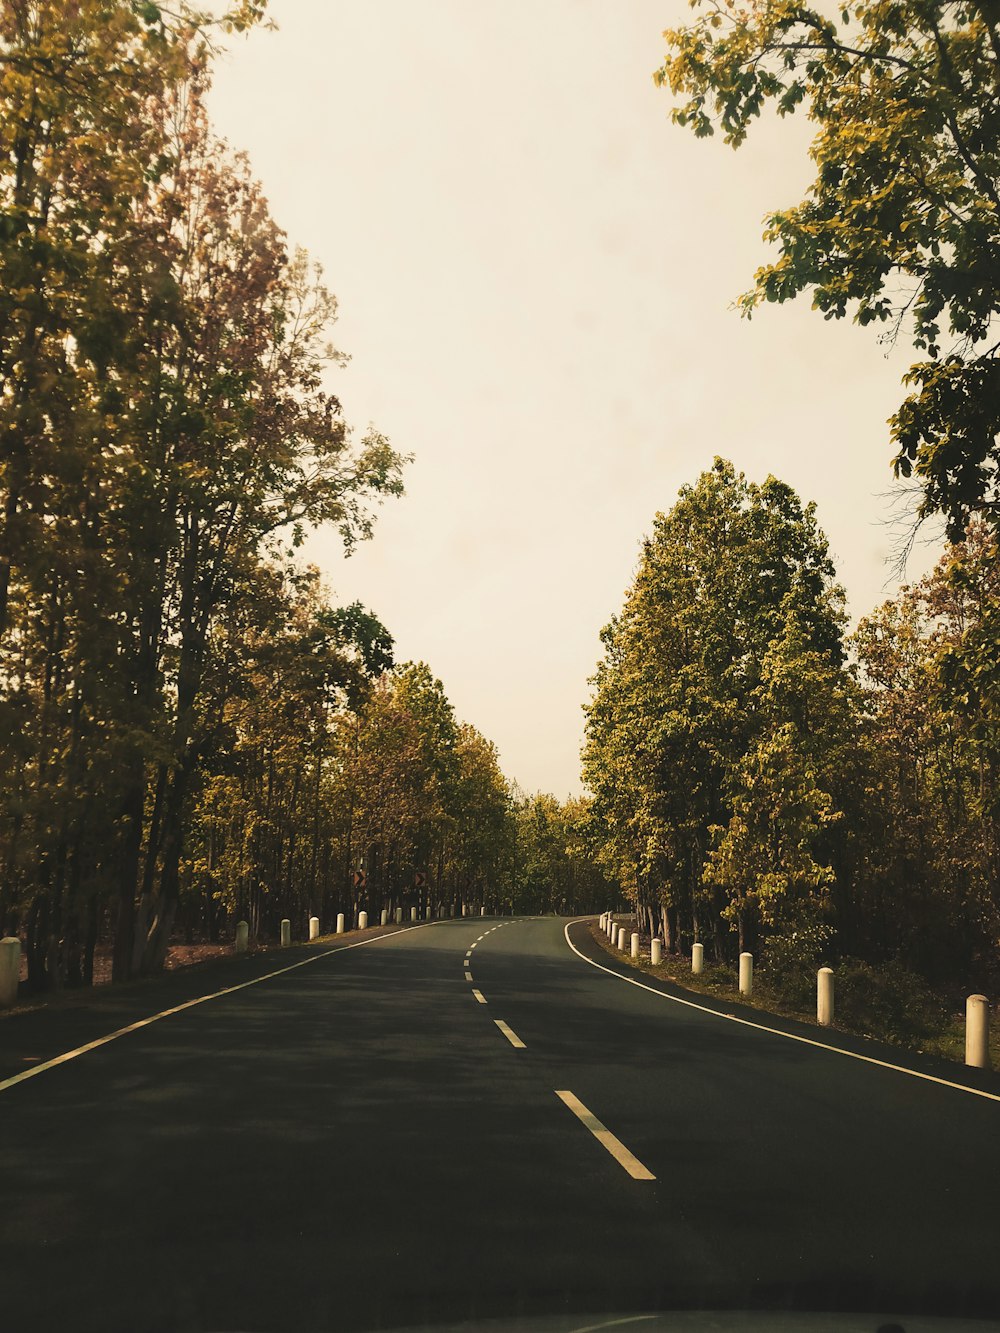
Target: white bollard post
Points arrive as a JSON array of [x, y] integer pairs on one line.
[[384, 918], [977, 1031], [697, 958], [314, 927], [746, 974], [824, 996], [399, 916], [482, 910], [656, 952], [362, 921], [635, 944], [621, 938], [413, 914], [10, 970], [286, 932], [340, 923], [242, 936]]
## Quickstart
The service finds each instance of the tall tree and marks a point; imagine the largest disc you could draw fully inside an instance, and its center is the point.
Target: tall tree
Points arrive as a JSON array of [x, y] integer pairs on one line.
[[690, 701], [901, 224], [166, 429]]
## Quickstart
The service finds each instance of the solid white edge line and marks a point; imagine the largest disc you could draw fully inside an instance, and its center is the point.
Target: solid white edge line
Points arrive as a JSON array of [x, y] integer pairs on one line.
[[190, 1004], [605, 1138], [776, 1032], [479, 995], [511, 1036]]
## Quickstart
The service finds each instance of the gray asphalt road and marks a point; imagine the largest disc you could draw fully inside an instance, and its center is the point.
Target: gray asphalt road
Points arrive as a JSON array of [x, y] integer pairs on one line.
[[358, 1144]]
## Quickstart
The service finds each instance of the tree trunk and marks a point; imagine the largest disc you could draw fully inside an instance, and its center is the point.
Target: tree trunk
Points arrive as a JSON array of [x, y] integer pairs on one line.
[[163, 911], [128, 876]]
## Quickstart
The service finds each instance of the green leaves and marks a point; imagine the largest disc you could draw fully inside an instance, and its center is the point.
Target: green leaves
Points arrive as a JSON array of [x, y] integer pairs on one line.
[[165, 437], [721, 683], [901, 225]]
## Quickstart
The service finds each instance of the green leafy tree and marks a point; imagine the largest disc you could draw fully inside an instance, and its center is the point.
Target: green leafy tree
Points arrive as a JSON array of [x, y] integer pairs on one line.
[[929, 824], [481, 846], [901, 225], [765, 858], [166, 430], [733, 597], [556, 868]]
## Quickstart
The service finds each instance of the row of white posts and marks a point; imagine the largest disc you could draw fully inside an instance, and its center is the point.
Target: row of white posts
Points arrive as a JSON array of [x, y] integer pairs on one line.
[[977, 1007], [10, 947], [243, 929]]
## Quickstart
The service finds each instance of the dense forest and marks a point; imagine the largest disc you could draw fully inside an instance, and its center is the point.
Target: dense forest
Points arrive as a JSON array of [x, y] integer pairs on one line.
[[191, 730], [763, 781]]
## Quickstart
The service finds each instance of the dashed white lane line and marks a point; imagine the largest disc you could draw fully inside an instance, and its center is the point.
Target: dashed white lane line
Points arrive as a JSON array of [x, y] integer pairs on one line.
[[479, 995], [474, 943], [468, 976], [607, 1140], [189, 1004], [776, 1032], [512, 1037]]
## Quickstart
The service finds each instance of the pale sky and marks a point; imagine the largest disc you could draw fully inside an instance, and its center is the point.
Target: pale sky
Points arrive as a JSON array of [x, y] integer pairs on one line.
[[535, 271]]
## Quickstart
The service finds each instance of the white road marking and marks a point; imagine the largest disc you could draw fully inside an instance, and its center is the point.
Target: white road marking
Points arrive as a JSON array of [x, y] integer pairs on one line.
[[479, 995], [512, 1037], [607, 1140], [616, 1323], [473, 945], [190, 1004], [468, 976], [776, 1032]]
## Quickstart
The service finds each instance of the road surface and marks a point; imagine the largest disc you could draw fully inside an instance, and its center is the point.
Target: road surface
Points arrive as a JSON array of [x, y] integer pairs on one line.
[[468, 1120]]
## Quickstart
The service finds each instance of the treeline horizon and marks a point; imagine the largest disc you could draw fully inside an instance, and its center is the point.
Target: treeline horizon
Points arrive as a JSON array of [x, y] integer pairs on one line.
[[763, 781]]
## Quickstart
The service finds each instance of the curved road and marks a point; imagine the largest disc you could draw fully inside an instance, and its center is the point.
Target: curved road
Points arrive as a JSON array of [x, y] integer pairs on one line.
[[468, 1120]]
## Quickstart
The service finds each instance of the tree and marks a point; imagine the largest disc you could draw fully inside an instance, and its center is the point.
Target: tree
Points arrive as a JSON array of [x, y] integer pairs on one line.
[[902, 221], [167, 433], [765, 858], [556, 868], [928, 876], [481, 845], [265, 823], [243, 444], [698, 729]]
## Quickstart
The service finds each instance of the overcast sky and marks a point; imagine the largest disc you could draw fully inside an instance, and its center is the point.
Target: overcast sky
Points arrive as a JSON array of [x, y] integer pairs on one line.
[[536, 271]]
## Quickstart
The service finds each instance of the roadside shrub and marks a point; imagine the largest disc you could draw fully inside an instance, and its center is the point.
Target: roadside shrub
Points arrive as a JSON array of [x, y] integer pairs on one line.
[[790, 961], [888, 1002]]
